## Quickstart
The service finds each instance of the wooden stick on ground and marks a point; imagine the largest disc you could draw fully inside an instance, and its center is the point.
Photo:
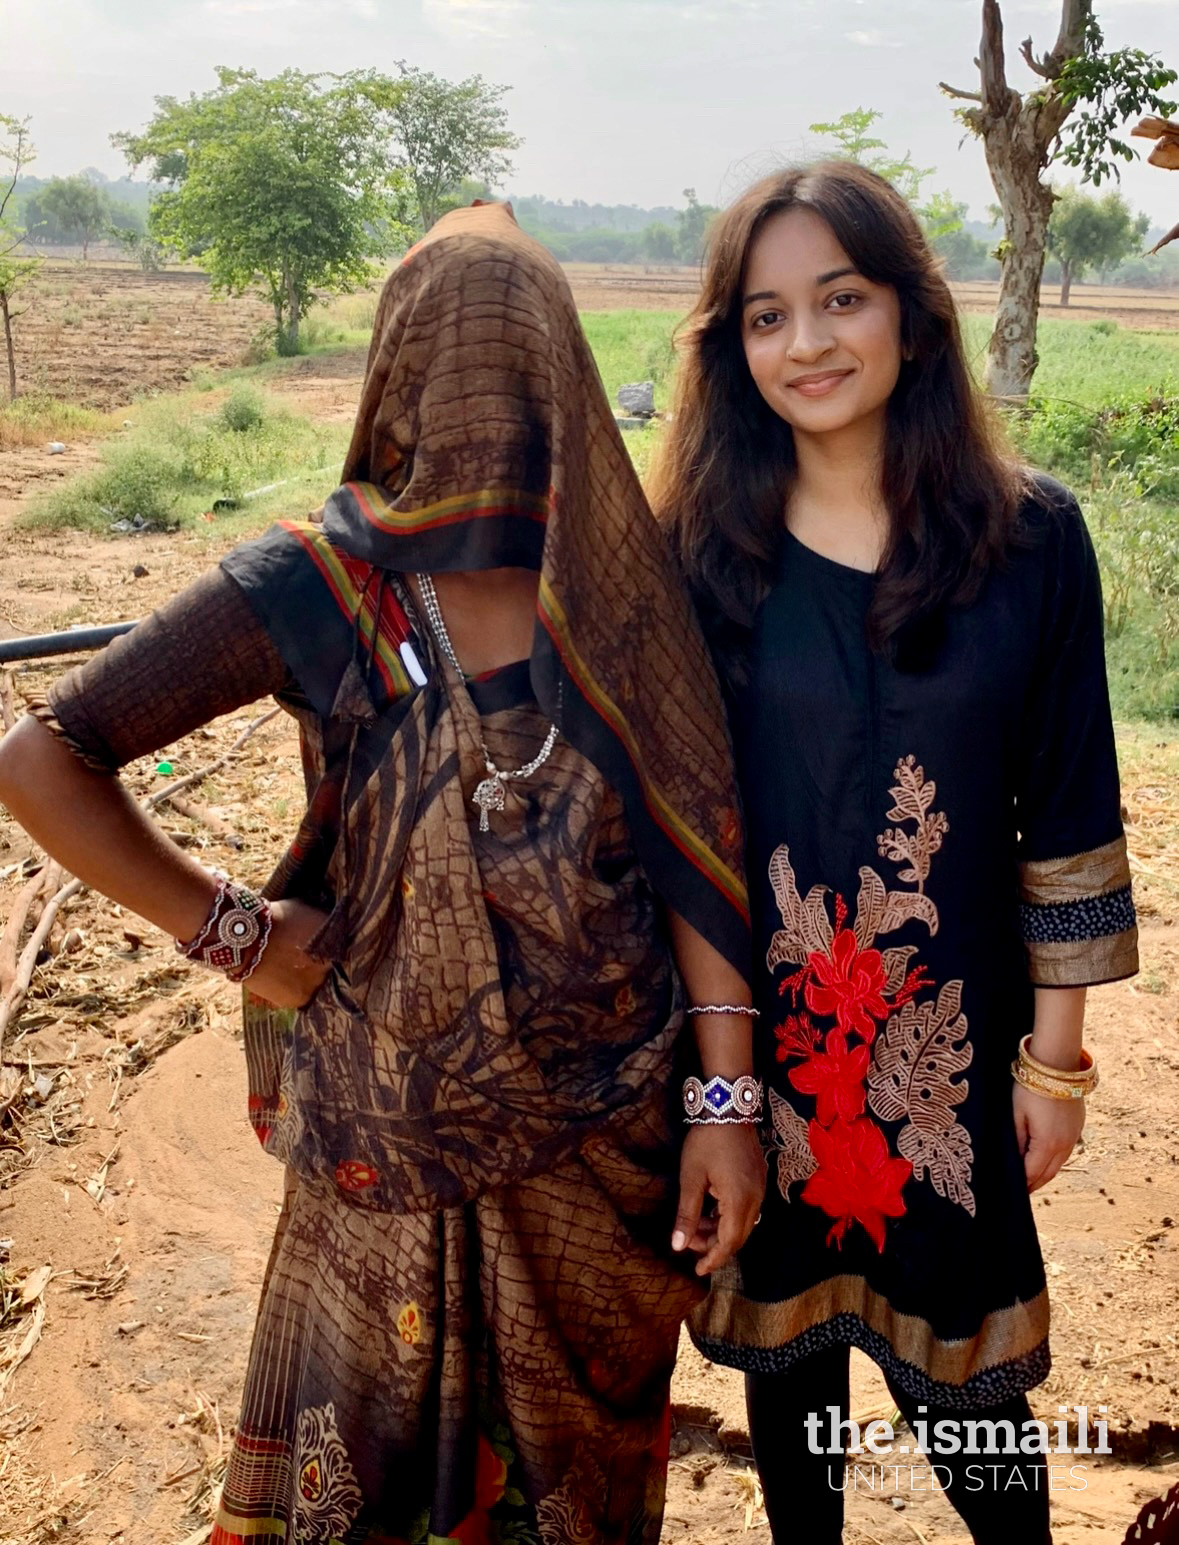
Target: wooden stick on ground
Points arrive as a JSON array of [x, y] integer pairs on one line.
[[199, 776], [7, 707], [15, 996], [49, 878], [215, 824]]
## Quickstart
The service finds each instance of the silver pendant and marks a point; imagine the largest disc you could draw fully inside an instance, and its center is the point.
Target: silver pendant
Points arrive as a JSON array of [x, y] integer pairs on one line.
[[488, 796]]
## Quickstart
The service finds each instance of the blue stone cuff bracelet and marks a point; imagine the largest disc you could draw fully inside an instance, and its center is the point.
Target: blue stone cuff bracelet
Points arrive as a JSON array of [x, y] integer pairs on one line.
[[719, 1102]]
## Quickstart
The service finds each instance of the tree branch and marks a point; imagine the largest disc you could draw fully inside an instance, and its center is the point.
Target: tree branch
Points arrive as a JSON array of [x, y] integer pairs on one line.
[[961, 96], [1070, 40], [996, 93], [1032, 62]]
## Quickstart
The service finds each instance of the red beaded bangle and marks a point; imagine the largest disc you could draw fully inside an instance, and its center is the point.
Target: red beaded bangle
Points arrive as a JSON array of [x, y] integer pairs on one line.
[[235, 934]]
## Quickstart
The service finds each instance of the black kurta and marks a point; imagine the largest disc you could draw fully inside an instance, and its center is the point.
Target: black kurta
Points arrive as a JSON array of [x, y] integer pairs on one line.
[[924, 849]]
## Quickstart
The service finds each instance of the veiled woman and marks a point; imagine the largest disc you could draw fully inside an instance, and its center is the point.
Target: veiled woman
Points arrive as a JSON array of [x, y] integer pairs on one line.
[[516, 767]]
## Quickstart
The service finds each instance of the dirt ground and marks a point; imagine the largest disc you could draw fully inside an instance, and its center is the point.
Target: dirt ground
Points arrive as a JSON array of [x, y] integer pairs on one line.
[[101, 334], [136, 1209]]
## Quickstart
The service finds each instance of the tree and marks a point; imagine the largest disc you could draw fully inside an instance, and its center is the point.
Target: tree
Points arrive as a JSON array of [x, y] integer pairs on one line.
[[16, 152], [940, 216], [1021, 134], [141, 247], [443, 132], [691, 236], [78, 209], [965, 256], [281, 184], [1086, 232], [657, 241]]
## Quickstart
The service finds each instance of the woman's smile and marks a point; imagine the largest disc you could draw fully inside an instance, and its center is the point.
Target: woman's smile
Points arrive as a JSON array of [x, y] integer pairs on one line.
[[819, 383]]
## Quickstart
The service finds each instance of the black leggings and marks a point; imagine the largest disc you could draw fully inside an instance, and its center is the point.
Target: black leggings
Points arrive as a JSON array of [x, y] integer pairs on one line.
[[803, 1490]]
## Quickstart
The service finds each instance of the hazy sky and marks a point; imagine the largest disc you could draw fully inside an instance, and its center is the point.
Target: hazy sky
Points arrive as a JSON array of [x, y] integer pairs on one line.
[[622, 101]]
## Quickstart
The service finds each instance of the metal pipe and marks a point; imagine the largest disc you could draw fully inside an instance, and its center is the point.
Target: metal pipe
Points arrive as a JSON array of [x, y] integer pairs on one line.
[[40, 646]]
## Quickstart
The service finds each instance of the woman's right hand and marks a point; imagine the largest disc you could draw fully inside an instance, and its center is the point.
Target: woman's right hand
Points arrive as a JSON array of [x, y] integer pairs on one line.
[[287, 976]]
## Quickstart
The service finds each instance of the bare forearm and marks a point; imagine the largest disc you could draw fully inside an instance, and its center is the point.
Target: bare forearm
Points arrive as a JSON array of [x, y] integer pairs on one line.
[[92, 826], [1059, 1025], [725, 1041]]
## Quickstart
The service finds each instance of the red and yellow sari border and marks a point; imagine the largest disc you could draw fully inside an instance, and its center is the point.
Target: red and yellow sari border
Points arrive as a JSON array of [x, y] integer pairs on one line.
[[479, 505], [346, 579], [690, 844]]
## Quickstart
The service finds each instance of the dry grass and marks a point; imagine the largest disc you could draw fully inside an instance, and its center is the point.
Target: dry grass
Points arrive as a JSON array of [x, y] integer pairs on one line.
[[37, 419]]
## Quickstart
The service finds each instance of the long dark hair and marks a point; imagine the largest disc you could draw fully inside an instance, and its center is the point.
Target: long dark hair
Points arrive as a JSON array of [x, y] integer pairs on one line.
[[726, 464]]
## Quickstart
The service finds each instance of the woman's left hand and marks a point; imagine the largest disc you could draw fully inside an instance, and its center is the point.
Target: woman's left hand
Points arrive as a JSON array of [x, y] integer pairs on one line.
[[726, 1162], [1047, 1131]]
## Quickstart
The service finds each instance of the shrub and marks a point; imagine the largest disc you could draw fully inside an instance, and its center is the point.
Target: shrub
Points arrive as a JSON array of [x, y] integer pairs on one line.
[[1072, 440], [243, 410], [178, 462], [137, 482]]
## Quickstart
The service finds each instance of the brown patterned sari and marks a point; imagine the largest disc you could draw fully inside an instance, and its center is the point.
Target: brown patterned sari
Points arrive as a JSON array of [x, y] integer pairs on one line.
[[471, 1313]]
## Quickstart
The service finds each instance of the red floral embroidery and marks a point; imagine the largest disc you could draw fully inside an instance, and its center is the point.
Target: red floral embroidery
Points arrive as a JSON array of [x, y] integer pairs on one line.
[[797, 1036], [836, 1076], [857, 1181], [849, 983], [356, 1175]]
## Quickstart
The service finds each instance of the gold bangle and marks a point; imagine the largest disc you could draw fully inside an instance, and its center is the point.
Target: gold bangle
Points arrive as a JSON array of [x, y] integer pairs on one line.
[[1056, 1083], [1082, 1075], [1055, 1090]]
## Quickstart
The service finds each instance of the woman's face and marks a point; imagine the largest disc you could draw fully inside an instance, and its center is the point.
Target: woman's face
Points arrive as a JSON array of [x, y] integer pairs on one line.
[[823, 343]]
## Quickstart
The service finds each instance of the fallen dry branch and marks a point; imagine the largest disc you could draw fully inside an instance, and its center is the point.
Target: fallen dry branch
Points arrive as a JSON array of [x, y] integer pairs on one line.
[[15, 997], [15, 926], [215, 824], [191, 780]]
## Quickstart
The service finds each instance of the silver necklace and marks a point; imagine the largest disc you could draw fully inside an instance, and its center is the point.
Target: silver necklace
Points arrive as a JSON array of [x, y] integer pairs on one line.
[[489, 795]]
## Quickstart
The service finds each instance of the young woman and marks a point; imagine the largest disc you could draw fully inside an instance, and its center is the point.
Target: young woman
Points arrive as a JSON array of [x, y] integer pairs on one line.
[[910, 630], [516, 761]]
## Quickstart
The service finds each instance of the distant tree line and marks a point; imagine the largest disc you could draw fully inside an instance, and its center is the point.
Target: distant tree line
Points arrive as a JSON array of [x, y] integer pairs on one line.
[[619, 233], [75, 211]]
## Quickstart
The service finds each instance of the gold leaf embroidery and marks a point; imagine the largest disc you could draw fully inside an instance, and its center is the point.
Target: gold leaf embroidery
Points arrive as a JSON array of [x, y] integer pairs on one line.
[[806, 927], [902, 905], [920, 1050], [896, 966], [791, 1143], [912, 797]]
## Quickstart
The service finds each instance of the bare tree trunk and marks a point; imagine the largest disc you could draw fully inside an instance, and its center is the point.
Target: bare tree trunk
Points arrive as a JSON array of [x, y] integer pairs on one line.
[[1026, 204], [1066, 282], [1018, 134], [9, 348]]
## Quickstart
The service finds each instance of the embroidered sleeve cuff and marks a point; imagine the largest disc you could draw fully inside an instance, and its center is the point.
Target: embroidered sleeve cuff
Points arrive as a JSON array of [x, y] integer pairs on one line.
[[43, 711], [1077, 916]]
